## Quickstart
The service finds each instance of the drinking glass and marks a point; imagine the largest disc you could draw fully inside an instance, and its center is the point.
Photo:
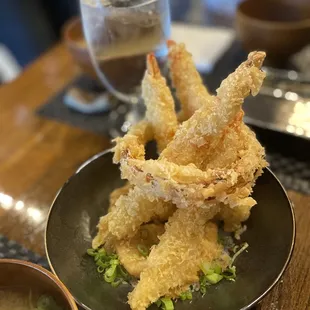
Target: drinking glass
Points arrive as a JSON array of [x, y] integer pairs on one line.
[[119, 34]]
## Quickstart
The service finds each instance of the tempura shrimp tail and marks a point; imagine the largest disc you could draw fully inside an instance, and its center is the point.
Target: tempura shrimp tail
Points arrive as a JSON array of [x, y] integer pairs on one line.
[[202, 132], [186, 79], [133, 142], [160, 109]]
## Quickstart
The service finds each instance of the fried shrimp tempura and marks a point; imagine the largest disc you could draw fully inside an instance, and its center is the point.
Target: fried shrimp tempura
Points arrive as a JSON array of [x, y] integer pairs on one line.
[[166, 179], [130, 212], [133, 142], [160, 111], [201, 134], [186, 79], [189, 240], [162, 124], [187, 155], [118, 193], [128, 250]]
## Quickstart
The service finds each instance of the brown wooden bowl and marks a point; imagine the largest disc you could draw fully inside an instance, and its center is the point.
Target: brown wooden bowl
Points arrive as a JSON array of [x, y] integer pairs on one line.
[[281, 28], [18, 273], [73, 37]]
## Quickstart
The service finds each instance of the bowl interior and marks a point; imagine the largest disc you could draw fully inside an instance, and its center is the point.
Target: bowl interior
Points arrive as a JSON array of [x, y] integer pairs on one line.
[[23, 275], [276, 11], [84, 198]]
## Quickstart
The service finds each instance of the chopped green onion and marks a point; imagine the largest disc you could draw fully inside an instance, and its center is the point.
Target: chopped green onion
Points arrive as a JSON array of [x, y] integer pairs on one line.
[[206, 268], [203, 290], [167, 304], [230, 273], [109, 265], [91, 252], [203, 280], [189, 295], [143, 250], [158, 303], [123, 273], [235, 248], [102, 252], [100, 269], [110, 274], [116, 283], [114, 262], [186, 295], [214, 278], [217, 269], [97, 257], [243, 248], [113, 256], [102, 264]]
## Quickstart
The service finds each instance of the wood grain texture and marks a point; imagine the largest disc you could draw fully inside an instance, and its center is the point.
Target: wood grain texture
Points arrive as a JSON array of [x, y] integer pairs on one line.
[[38, 155]]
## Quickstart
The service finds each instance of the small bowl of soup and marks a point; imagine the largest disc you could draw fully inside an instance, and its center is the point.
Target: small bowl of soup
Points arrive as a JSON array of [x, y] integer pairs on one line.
[[24, 286], [280, 28]]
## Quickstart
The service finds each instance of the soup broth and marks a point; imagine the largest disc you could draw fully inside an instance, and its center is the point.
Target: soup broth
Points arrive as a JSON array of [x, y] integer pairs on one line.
[[26, 299]]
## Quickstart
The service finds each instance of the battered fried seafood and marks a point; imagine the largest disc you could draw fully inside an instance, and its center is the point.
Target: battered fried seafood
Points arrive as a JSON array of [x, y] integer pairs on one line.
[[174, 177], [206, 170], [133, 253], [189, 87], [159, 104], [189, 241]]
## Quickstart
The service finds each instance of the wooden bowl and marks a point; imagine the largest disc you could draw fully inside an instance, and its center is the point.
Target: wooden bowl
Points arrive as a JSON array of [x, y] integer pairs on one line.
[[280, 28], [73, 37], [18, 273]]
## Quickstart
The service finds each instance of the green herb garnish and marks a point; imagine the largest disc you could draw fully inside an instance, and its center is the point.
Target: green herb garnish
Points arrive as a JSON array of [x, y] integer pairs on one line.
[[166, 304], [186, 295], [144, 251], [108, 265], [244, 246], [214, 278]]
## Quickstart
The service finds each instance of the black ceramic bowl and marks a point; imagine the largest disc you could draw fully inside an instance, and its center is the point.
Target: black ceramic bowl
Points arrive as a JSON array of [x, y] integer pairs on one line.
[[85, 197]]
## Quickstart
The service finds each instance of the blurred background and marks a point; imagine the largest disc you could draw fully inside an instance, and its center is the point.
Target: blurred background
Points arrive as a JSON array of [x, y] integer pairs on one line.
[[28, 28]]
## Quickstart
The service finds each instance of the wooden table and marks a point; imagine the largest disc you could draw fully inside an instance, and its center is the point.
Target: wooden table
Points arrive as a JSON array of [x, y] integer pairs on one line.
[[38, 155]]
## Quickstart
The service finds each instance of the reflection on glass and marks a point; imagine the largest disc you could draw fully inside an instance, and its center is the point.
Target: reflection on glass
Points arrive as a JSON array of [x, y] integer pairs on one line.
[[119, 34]]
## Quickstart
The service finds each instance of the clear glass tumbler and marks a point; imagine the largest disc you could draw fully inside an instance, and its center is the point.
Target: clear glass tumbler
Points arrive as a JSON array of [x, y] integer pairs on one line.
[[119, 34]]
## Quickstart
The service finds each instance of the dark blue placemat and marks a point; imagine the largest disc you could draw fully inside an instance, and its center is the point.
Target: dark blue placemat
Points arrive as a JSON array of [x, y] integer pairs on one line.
[[12, 249]]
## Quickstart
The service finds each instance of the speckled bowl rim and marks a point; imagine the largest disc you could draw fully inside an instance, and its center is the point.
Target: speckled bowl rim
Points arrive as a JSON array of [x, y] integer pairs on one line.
[[47, 274], [255, 302]]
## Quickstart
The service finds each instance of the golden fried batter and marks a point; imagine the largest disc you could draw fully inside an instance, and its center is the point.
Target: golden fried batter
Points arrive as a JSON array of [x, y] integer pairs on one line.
[[189, 240], [160, 111], [127, 250], [196, 138], [186, 79], [118, 193], [208, 168]]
